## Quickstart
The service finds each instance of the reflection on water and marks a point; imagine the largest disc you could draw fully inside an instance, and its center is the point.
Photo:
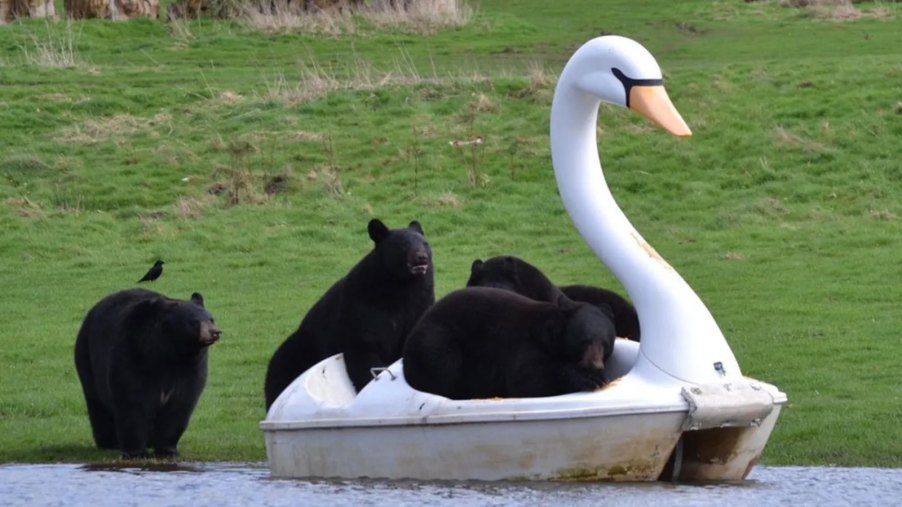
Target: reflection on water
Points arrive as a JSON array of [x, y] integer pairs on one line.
[[214, 484]]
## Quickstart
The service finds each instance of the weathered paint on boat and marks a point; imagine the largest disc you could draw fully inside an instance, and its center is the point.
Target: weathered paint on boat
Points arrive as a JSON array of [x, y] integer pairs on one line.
[[319, 428]]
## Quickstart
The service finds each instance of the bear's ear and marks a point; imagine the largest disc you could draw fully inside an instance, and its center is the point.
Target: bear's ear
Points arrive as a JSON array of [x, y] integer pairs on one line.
[[198, 299], [416, 226], [377, 230], [476, 267]]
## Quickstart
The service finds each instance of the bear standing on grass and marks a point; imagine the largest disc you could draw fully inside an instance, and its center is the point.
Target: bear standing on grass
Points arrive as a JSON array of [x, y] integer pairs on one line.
[[515, 274], [366, 315], [142, 361], [483, 342]]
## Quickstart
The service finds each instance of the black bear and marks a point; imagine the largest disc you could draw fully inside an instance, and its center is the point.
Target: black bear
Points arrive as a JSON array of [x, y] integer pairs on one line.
[[483, 342], [626, 320], [142, 361], [366, 315], [515, 274]]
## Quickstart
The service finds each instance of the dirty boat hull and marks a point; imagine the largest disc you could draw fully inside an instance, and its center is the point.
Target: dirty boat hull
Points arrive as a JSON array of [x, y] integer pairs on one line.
[[318, 428], [633, 448], [585, 448]]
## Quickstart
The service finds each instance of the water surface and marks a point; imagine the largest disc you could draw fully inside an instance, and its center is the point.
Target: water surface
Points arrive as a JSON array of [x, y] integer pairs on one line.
[[218, 484]]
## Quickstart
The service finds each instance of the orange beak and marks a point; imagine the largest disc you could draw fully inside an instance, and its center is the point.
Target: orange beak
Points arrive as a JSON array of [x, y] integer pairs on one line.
[[653, 103]]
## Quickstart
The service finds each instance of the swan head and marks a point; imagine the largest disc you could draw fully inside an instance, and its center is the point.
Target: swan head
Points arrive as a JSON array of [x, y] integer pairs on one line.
[[620, 71]]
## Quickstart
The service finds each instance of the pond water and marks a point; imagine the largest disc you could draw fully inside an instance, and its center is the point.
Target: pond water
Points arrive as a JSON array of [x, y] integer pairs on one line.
[[213, 484]]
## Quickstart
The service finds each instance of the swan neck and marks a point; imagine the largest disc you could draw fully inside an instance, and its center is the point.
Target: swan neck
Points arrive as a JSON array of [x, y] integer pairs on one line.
[[679, 335]]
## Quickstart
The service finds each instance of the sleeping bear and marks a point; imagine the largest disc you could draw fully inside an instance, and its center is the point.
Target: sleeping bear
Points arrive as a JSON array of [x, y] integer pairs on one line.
[[482, 342], [142, 361], [515, 274], [366, 315]]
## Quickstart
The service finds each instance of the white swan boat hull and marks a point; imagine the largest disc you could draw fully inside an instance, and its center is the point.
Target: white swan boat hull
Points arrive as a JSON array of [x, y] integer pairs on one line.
[[632, 430]]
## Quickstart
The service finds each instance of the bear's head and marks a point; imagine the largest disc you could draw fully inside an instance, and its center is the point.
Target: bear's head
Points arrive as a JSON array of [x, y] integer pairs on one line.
[[404, 253], [514, 274], [187, 324], [580, 333]]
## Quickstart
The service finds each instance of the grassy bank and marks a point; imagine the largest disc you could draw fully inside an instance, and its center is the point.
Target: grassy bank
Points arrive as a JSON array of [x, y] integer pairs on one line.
[[251, 161]]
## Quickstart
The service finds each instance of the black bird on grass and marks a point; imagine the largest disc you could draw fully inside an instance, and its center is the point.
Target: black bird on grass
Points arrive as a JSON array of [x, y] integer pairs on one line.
[[153, 273]]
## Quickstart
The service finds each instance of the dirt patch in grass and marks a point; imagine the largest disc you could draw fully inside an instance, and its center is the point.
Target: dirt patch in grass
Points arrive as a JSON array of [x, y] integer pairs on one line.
[[277, 184]]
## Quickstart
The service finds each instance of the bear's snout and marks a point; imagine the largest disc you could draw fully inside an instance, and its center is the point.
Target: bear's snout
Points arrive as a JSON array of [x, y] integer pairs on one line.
[[419, 265], [209, 334], [593, 357]]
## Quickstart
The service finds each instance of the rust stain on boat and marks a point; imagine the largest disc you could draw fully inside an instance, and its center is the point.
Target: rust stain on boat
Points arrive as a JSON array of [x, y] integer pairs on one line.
[[707, 452], [651, 251], [642, 469]]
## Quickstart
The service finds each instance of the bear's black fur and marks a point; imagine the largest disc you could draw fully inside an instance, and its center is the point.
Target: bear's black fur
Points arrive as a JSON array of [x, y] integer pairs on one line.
[[366, 315], [142, 361], [626, 320], [483, 342], [515, 274]]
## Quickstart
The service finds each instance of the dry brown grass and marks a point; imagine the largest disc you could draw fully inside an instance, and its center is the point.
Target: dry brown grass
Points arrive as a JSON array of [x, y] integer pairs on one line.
[[421, 16], [308, 137], [55, 48], [449, 200], [317, 80], [190, 208], [230, 98], [838, 10], [483, 104], [238, 185], [883, 215], [539, 79], [63, 98], [788, 138], [330, 179], [25, 207], [313, 84], [180, 30], [115, 128], [281, 17], [770, 206]]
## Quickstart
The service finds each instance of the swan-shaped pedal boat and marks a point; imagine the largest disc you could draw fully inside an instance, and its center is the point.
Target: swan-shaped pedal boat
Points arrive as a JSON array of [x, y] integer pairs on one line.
[[679, 409]]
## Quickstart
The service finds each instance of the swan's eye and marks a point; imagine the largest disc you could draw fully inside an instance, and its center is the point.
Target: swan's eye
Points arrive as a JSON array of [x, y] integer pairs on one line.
[[629, 83]]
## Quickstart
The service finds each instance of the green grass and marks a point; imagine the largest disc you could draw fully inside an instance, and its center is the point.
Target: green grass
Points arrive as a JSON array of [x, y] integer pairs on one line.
[[782, 211]]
